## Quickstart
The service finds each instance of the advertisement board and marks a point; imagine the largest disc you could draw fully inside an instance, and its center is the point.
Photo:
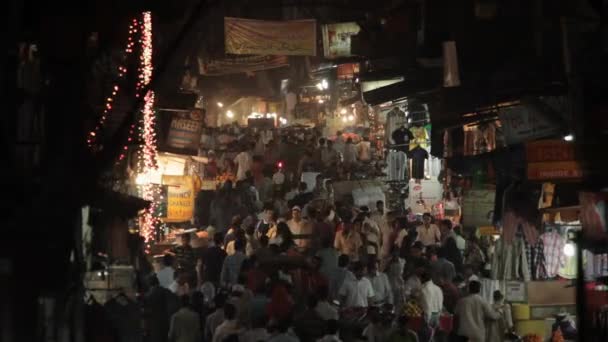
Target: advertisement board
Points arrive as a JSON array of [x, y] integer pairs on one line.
[[424, 195], [521, 123], [181, 195], [185, 130], [336, 39], [478, 207], [240, 64], [265, 37]]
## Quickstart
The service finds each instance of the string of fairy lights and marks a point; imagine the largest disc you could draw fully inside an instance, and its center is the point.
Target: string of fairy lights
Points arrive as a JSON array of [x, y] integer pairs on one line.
[[148, 154], [146, 127], [122, 72]]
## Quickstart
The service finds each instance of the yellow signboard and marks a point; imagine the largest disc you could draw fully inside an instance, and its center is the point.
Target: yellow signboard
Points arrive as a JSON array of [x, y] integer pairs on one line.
[[264, 37], [181, 194]]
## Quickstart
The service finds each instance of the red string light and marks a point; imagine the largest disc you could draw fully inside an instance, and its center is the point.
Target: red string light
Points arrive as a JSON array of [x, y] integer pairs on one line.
[[148, 161], [122, 71]]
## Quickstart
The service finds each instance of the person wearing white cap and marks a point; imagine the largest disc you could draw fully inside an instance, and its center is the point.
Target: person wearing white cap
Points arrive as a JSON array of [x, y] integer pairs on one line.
[[300, 227]]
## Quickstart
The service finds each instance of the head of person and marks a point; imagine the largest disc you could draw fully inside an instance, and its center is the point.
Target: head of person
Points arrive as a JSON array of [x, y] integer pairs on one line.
[[427, 218], [236, 221], [445, 225], [432, 253], [425, 276], [185, 239], [372, 267], [303, 187], [296, 213], [268, 212], [343, 261], [380, 206], [330, 144], [349, 140], [229, 312], [338, 134], [498, 297], [474, 287], [322, 142], [167, 260], [359, 269]]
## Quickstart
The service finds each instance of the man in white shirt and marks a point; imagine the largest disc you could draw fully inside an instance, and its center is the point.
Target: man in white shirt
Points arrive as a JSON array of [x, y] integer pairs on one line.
[[243, 161], [185, 324], [472, 312], [358, 292], [278, 178], [230, 325], [299, 226], [385, 230], [432, 297], [383, 293], [428, 233], [166, 273]]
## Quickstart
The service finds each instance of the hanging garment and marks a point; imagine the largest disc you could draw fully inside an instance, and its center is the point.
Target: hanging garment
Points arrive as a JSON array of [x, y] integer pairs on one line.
[[420, 137], [510, 222], [433, 167], [402, 138], [554, 252], [536, 260], [509, 261], [397, 166], [419, 156], [394, 119]]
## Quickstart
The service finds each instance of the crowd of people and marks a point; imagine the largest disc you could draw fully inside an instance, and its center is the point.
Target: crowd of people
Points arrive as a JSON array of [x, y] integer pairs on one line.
[[286, 261]]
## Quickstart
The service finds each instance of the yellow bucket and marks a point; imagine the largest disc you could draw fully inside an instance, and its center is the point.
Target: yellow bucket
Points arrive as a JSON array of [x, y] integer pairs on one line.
[[521, 312]]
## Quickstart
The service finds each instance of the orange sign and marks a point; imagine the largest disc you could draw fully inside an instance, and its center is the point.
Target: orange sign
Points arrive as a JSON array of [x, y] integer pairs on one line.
[[549, 151], [555, 170]]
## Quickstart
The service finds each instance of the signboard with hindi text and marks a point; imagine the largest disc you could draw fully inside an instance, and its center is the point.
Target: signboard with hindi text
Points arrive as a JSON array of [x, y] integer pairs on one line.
[[265, 37], [181, 195], [521, 123]]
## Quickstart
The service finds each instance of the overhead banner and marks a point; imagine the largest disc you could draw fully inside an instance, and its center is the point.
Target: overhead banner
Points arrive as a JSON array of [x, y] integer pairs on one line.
[[552, 160], [478, 207], [264, 37], [336, 39], [185, 130], [181, 195], [240, 64], [424, 196], [521, 124]]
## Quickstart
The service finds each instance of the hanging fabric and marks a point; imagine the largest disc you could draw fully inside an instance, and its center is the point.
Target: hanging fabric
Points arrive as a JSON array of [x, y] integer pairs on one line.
[[554, 252]]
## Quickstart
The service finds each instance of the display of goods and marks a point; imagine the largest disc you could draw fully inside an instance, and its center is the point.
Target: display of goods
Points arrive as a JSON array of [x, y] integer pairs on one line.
[[532, 338]]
